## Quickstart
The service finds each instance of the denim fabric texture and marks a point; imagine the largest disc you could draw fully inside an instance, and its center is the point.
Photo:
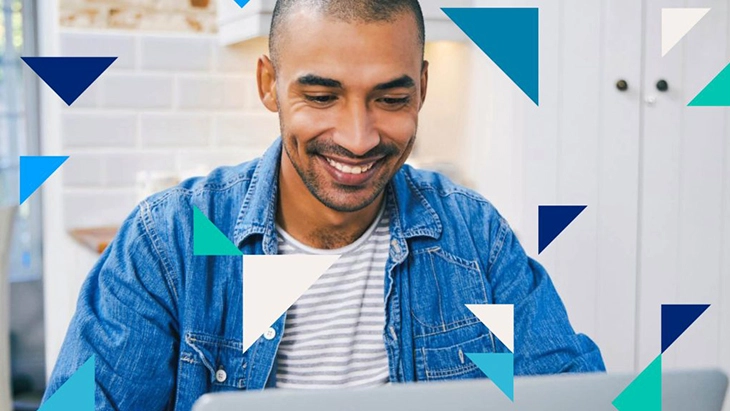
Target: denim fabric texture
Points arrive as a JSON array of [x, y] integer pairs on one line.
[[163, 322]]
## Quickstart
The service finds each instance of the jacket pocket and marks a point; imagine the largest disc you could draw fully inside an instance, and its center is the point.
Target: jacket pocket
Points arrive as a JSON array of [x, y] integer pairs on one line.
[[222, 361], [443, 356], [441, 287]]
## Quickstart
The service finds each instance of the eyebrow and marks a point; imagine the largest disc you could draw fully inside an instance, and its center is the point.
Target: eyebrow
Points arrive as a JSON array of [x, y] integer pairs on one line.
[[401, 82], [314, 80], [404, 81]]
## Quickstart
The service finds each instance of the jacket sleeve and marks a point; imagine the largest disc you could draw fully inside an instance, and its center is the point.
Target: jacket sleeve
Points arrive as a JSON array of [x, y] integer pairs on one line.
[[545, 342], [126, 318]]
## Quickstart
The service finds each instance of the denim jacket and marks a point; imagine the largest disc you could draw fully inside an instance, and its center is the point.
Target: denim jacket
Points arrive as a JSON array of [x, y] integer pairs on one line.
[[164, 323]]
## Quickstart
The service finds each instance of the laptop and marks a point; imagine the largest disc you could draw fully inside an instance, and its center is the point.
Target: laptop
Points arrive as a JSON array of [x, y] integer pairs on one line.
[[7, 215], [699, 390]]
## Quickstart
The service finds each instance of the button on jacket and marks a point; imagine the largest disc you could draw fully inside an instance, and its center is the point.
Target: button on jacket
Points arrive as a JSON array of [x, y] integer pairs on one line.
[[166, 325]]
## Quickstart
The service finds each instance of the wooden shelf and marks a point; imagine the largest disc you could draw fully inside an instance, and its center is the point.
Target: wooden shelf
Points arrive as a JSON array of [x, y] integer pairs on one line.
[[96, 239]]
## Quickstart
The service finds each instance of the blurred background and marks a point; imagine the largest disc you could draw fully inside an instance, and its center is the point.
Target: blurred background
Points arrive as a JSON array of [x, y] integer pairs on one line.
[[181, 99]]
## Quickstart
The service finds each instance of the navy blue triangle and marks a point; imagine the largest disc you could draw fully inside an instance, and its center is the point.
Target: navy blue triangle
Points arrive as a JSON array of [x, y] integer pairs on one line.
[[552, 220], [69, 77], [676, 318]]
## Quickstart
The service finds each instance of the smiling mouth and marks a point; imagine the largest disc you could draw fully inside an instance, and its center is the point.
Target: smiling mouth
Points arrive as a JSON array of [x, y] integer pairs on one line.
[[352, 174], [350, 169]]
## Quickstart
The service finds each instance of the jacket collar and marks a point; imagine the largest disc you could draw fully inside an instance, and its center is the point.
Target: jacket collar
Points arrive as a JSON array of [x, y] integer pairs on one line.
[[414, 215]]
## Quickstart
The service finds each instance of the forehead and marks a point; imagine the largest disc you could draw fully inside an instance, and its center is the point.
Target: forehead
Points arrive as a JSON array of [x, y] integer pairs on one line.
[[311, 42]]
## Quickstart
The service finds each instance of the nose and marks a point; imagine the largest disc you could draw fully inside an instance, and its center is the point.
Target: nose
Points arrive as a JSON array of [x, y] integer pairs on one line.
[[356, 131]]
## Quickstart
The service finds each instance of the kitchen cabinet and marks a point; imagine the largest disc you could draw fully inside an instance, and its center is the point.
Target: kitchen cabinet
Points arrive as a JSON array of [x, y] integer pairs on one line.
[[613, 131]]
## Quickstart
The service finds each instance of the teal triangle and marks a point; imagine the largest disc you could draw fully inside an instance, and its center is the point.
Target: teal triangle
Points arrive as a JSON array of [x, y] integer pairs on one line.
[[35, 170], [716, 93], [500, 368], [645, 391], [509, 36], [77, 393], [208, 239]]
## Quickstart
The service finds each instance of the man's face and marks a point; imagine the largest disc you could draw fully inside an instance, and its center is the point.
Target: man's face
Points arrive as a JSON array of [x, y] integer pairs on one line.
[[348, 96]]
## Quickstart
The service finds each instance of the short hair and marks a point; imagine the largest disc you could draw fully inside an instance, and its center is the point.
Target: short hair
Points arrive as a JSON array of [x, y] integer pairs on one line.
[[365, 11]]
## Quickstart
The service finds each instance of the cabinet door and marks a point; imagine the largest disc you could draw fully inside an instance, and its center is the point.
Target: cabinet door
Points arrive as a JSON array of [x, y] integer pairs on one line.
[[580, 146], [684, 235]]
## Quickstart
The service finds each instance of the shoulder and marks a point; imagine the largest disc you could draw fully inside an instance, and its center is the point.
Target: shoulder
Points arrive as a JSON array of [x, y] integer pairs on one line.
[[463, 212], [168, 215], [439, 190], [221, 181]]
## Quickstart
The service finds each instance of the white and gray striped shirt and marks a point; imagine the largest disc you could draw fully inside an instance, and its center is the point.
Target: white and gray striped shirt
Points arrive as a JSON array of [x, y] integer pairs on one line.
[[333, 335]]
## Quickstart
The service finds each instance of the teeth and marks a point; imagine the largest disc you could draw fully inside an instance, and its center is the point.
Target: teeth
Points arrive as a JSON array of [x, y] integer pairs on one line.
[[350, 169]]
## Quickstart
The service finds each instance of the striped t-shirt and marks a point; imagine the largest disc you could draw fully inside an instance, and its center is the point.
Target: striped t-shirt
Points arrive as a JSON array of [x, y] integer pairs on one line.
[[333, 334]]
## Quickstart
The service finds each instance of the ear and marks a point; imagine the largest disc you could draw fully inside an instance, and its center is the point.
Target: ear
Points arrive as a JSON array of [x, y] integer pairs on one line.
[[266, 79], [424, 81]]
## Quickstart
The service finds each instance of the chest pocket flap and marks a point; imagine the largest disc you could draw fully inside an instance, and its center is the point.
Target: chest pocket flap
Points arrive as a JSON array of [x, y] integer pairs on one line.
[[224, 359]]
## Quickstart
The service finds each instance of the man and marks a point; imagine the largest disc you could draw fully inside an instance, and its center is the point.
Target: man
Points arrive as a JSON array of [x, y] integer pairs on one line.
[[348, 79]]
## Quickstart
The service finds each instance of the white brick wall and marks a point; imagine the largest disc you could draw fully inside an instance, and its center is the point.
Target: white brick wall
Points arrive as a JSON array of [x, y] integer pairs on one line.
[[136, 91], [176, 104], [98, 128], [177, 53], [120, 46]]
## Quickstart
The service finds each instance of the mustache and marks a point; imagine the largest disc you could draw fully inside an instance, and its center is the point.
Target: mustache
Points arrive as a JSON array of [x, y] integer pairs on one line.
[[316, 147]]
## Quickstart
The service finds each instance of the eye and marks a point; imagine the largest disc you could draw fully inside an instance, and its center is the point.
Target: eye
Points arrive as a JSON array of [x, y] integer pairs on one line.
[[395, 102], [320, 99]]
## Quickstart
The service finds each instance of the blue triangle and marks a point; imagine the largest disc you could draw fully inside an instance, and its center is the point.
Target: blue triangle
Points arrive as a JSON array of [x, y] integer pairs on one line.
[[552, 220], [676, 318], [77, 393], [35, 170], [241, 3], [500, 368], [509, 36], [69, 77]]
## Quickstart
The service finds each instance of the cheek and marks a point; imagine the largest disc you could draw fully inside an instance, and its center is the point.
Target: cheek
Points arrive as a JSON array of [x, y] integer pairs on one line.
[[306, 123], [398, 126]]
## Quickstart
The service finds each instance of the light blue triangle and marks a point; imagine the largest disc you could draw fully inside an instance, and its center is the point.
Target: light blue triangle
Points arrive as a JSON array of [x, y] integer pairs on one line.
[[77, 393], [35, 170], [241, 3], [510, 37], [500, 368]]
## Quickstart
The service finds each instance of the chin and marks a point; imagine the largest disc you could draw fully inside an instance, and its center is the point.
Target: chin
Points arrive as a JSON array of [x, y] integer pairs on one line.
[[346, 202]]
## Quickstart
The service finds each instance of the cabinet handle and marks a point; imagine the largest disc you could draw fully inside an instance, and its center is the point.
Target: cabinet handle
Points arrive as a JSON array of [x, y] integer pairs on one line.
[[662, 85], [622, 85]]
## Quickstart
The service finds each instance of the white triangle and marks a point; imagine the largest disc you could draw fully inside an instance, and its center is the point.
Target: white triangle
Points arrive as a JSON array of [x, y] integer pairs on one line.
[[272, 283], [676, 23], [500, 319]]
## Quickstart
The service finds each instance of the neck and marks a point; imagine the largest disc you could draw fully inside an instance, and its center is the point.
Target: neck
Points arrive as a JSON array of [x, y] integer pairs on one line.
[[309, 221]]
